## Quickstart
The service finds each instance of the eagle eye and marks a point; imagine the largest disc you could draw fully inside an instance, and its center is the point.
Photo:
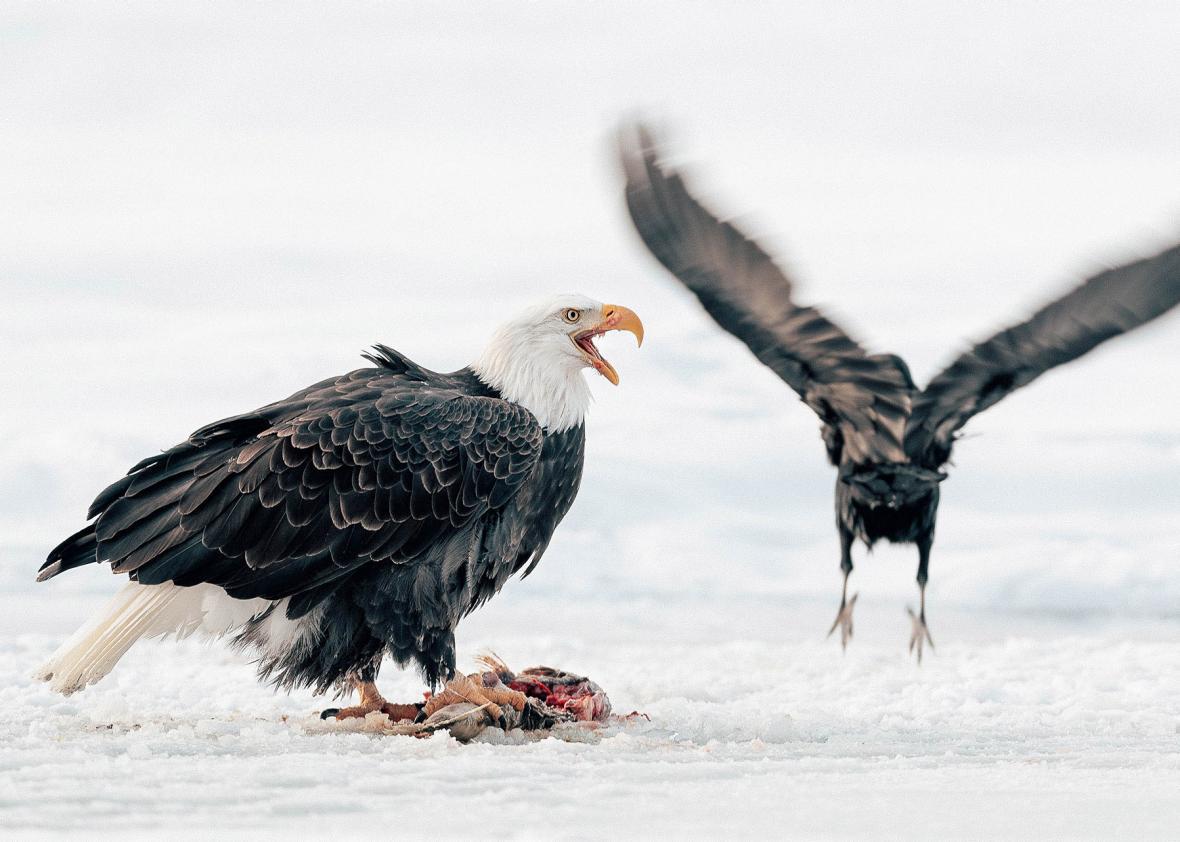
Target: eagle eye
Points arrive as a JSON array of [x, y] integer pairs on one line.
[[571, 315]]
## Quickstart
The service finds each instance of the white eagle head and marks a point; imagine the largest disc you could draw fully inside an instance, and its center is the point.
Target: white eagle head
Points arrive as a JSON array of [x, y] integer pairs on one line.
[[536, 359]]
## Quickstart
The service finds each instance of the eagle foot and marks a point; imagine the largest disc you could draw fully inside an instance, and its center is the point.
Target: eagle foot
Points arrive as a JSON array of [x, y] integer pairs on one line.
[[396, 712], [920, 633], [844, 621], [372, 701], [486, 691]]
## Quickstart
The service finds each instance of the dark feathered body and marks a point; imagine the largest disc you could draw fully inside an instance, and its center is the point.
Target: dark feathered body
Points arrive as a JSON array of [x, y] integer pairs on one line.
[[366, 514], [885, 517]]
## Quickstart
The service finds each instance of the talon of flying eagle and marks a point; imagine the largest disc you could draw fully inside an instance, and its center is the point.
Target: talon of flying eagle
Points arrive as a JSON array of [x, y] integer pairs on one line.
[[844, 621], [372, 701], [920, 633]]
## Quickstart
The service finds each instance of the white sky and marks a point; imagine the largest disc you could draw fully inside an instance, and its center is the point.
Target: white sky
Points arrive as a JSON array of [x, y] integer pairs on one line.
[[204, 207]]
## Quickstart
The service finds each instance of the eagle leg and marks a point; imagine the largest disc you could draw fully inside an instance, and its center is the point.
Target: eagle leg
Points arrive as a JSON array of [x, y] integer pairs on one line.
[[844, 615], [920, 634], [372, 701]]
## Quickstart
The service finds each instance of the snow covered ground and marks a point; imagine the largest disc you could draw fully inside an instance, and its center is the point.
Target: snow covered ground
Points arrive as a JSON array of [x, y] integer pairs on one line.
[[1016, 728], [196, 196]]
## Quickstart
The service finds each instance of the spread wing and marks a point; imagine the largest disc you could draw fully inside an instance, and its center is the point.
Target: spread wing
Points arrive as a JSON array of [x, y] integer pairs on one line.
[[1108, 304], [377, 465], [862, 399]]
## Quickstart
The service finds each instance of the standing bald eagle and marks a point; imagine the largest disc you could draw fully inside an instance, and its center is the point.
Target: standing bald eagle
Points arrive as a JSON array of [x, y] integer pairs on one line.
[[360, 517], [889, 440]]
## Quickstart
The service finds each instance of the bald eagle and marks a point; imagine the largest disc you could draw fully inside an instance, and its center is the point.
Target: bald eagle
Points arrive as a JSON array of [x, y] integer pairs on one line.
[[888, 439], [363, 516]]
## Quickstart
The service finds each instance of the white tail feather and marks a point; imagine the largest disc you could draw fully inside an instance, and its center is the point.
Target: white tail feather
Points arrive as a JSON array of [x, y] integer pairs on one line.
[[135, 612]]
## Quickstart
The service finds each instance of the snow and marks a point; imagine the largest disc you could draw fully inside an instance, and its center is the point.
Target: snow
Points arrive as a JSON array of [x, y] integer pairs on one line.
[[195, 197], [1017, 727]]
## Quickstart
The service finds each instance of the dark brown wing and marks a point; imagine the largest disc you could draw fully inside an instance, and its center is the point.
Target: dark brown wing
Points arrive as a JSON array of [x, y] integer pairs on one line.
[[862, 399], [377, 465], [1108, 304]]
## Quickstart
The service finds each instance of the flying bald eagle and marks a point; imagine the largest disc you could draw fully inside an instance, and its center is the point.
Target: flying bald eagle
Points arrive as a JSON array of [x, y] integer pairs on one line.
[[889, 440], [363, 516]]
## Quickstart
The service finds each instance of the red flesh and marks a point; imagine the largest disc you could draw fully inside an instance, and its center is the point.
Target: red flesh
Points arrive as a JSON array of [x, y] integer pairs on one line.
[[583, 699]]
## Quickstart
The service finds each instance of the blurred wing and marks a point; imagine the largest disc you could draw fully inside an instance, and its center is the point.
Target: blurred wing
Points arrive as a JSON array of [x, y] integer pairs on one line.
[[370, 466], [1111, 303], [863, 400]]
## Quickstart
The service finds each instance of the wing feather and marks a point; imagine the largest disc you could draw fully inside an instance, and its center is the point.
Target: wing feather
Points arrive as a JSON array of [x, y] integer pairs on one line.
[[379, 464], [862, 398], [1108, 304]]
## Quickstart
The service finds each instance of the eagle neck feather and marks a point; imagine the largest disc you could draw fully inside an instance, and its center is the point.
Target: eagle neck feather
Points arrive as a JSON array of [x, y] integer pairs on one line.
[[553, 390]]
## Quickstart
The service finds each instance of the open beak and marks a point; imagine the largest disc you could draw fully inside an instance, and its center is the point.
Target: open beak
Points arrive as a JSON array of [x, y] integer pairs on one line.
[[614, 317]]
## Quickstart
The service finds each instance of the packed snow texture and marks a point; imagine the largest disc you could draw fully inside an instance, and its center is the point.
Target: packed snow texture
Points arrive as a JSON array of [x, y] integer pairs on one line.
[[209, 206], [1015, 728]]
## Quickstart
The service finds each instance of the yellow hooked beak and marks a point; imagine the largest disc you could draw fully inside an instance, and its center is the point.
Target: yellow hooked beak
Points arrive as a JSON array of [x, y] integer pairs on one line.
[[614, 317]]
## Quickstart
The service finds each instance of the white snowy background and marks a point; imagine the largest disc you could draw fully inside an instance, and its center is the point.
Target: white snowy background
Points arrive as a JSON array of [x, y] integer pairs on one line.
[[204, 207]]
